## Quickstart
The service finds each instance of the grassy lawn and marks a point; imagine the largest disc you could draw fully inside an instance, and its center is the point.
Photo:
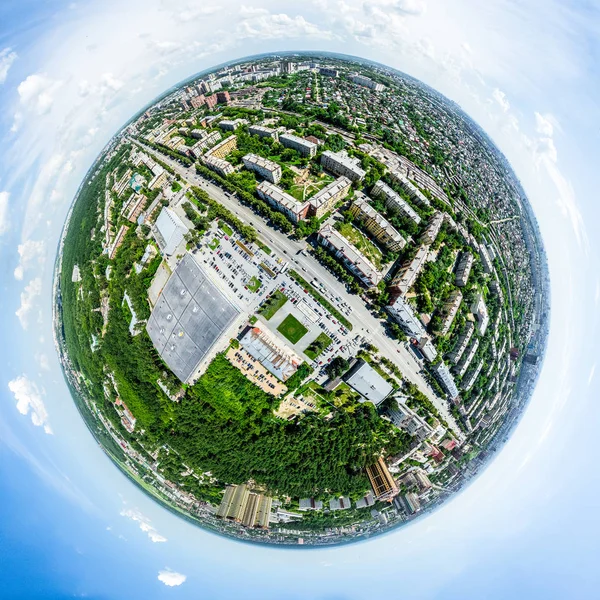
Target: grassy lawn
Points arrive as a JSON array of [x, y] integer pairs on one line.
[[214, 243], [321, 300], [224, 227], [360, 241], [254, 284], [275, 301], [318, 346], [292, 330], [264, 248]]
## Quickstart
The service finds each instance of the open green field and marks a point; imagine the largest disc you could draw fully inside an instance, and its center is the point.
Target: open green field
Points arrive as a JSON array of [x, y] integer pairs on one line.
[[275, 301], [292, 330], [254, 284], [318, 346], [362, 242]]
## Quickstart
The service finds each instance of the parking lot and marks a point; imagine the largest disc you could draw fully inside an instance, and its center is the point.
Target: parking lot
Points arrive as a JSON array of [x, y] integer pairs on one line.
[[237, 268]]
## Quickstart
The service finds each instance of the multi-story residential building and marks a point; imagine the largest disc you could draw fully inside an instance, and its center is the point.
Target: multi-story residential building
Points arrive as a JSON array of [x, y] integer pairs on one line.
[[480, 311], [366, 82], [486, 261], [433, 228], [427, 348], [462, 343], [414, 193], [471, 377], [382, 482], [443, 375], [223, 97], [328, 72], [261, 131], [467, 358], [339, 163], [231, 125], [402, 312], [394, 201], [350, 256], [198, 101], [211, 101], [120, 185], [302, 146], [408, 503], [408, 273], [112, 251], [449, 311], [267, 169], [383, 231], [219, 165], [463, 270], [406, 419], [282, 201], [223, 148], [326, 198]]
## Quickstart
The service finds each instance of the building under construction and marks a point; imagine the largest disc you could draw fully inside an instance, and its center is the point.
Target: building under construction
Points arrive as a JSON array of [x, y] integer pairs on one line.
[[382, 482]]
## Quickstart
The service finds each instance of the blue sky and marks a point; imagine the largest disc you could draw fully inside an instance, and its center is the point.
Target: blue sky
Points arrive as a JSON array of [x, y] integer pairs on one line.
[[71, 73]]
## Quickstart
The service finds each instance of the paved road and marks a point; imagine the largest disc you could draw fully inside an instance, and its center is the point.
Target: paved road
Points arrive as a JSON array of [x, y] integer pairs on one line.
[[361, 318]]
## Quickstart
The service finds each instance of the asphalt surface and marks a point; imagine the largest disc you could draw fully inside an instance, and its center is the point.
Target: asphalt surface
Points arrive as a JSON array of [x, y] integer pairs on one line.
[[310, 268]]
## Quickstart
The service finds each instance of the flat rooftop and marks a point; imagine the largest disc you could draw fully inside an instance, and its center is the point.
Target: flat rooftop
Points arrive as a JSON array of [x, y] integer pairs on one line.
[[190, 315], [368, 382]]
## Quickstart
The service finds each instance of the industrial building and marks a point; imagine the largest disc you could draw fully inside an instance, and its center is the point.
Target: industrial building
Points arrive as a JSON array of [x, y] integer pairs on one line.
[[350, 256], [267, 169], [382, 482], [394, 202], [339, 163], [302, 146], [383, 231], [271, 353], [191, 314], [243, 506], [365, 380]]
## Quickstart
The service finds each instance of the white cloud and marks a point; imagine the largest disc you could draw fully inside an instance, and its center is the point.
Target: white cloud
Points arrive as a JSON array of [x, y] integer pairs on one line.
[[37, 93], [28, 299], [410, 7], [500, 97], [42, 360], [135, 515], [30, 252], [4, 219], [29, 400], [171, 578], [7, 58], [543, 125]]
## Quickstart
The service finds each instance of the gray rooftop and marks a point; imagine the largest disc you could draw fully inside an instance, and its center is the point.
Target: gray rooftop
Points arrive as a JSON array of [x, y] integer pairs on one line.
[[368, 382], [188, 318]]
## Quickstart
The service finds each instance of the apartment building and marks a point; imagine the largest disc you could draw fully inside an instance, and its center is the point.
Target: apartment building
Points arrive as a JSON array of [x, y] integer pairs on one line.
[[394, 202], [267, 169], [383, 231], [339, 163]]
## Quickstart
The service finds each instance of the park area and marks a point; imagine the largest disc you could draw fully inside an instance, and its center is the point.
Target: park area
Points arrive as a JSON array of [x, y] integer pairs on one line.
[[292, 330]]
